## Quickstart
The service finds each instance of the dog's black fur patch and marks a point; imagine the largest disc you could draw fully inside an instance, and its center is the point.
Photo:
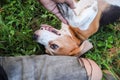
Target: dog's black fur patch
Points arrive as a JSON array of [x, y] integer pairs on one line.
[[110, 16]]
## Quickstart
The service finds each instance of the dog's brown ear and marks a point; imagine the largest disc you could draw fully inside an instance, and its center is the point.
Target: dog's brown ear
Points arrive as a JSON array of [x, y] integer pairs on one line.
[[75, 52], [84, 47]]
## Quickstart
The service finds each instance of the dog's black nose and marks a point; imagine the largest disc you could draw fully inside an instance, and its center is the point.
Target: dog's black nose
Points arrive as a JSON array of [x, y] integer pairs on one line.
[[35, 36]]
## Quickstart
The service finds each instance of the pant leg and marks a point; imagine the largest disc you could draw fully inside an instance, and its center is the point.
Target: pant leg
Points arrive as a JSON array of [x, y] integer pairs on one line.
[[43, 68]]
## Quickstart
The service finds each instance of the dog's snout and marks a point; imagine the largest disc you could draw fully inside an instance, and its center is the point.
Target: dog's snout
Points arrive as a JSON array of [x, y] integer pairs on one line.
[[35, 36]]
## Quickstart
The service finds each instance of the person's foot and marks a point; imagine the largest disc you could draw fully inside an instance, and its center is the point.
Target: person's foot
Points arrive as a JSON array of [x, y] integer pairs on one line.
[[93, 71]]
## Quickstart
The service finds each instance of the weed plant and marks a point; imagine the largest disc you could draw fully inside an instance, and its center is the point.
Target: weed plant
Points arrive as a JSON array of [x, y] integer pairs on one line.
[[20, 18]]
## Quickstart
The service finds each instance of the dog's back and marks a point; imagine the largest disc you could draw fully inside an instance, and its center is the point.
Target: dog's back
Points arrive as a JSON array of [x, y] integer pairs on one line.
[[111, 13]]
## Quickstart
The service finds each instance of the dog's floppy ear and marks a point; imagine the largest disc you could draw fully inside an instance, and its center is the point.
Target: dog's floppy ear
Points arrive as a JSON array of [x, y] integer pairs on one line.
[[84, 47]]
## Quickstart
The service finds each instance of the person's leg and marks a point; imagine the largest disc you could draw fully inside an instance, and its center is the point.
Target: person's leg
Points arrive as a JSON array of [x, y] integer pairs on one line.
[[45, 67], [3, 75]]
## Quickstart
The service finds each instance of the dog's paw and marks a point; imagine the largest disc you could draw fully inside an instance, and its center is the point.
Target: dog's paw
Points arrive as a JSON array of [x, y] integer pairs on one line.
[[69, 14]]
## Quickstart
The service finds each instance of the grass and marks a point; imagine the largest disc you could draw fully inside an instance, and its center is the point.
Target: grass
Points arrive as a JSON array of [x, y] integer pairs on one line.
[[20, 18]]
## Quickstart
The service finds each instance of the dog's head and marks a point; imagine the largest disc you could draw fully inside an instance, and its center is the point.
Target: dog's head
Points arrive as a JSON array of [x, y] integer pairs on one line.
[[60, 42]]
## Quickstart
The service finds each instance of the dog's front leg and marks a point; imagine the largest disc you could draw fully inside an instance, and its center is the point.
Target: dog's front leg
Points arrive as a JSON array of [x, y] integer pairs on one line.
[[68, 14], [83, 16]]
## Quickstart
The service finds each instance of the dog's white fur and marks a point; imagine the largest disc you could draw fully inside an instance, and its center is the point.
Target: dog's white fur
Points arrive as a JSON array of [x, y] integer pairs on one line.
[[85, 14]]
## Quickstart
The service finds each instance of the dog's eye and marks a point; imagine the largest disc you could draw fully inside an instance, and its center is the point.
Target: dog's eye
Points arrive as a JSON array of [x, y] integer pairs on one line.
[[54, 46]]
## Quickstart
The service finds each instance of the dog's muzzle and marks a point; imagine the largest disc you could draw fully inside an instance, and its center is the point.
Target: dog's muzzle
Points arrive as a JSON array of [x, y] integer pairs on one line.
[[35, 36]]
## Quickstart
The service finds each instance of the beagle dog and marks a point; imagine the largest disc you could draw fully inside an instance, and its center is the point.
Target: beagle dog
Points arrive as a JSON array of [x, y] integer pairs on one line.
[[83, 22]]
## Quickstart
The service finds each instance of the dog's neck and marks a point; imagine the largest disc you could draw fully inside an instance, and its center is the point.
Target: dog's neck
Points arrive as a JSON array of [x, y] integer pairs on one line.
[[66, 29], [77, 39]]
